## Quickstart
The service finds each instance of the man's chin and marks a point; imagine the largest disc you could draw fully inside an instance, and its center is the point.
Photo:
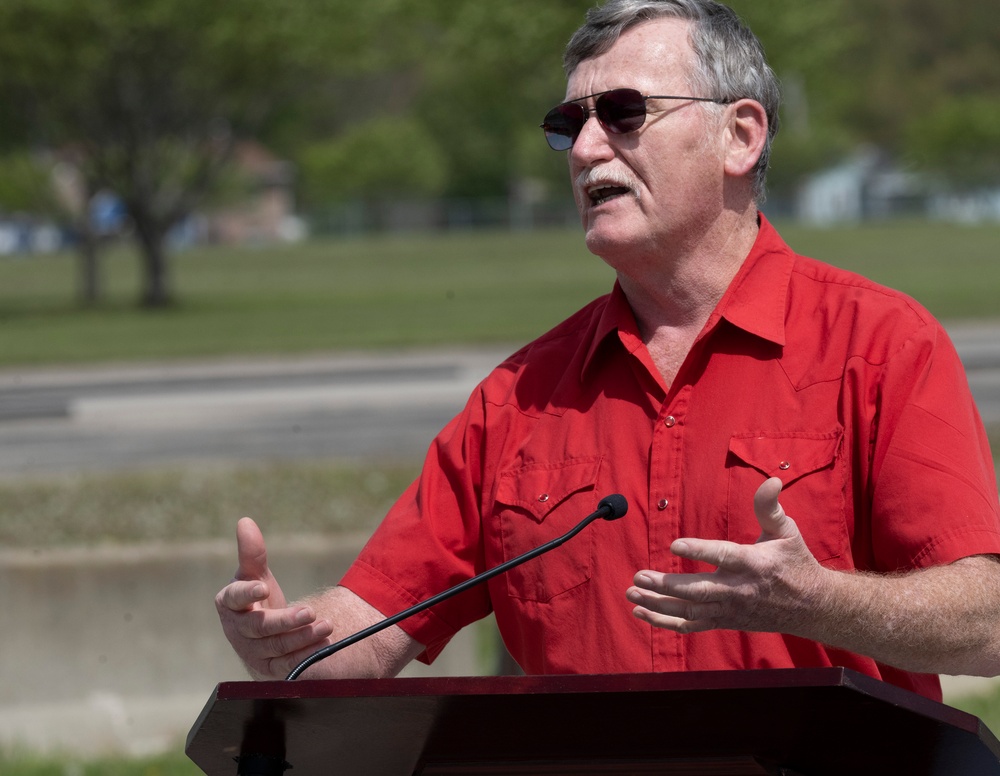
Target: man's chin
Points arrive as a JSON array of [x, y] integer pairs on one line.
[[611, 253], [603, 240]]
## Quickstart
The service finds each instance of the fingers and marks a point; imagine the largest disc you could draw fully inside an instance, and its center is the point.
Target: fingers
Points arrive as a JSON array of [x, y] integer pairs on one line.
[[269, 623], [677, 602], [273, 657], [685, 622], [720, 554], [774, 523], [274, 634], [749, 587], [270, 642], [251, 550], [240, 596], [259, 585], [268, 635]]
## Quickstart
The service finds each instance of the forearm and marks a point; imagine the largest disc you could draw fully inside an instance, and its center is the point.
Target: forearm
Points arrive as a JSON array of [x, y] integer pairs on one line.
[[939, 620], [383, 654]]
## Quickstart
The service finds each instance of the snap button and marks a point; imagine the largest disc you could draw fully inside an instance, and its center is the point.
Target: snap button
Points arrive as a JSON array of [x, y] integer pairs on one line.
[[784, 465], [543, 497], [670, 421], [662, 504]]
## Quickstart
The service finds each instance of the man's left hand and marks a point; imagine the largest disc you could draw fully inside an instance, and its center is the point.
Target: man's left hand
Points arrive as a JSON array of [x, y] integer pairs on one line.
[[765, 586]]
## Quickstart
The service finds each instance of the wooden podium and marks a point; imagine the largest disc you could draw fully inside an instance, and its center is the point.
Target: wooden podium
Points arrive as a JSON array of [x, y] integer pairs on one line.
[[797, 722]]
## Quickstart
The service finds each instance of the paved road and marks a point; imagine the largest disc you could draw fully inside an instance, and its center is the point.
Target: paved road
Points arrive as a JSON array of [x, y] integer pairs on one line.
[[55, 421]]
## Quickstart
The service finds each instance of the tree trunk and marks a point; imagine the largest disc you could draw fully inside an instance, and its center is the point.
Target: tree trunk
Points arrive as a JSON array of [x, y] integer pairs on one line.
[[156, 290], [90, 287]]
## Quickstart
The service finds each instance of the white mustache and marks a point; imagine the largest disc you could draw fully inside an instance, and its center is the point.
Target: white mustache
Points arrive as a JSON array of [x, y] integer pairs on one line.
[[607, 176]]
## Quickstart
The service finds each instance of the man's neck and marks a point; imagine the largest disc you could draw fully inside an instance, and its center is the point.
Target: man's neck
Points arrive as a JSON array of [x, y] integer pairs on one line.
[[672, 296]]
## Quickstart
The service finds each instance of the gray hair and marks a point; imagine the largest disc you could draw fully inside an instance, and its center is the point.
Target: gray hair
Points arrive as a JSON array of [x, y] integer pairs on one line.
[[730, 61]]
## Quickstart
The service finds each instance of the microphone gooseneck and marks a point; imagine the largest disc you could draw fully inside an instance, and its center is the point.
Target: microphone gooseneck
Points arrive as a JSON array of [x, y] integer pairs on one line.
[[609, 508]]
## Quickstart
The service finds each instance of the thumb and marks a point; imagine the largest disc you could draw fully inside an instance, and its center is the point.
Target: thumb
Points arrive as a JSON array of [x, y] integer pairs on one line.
[[774, 523], [251, 550]]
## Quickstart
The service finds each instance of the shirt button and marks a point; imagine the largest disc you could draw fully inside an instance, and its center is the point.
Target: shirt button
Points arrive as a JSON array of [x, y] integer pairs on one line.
[[784, 465], [543, 497], [670, 421], [662, 504]]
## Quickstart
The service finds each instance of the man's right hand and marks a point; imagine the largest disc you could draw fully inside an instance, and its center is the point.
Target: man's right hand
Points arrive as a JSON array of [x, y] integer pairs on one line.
[[268, 635]]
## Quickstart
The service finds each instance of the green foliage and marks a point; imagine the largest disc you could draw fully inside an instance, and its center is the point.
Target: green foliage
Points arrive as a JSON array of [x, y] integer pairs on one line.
[[916, 57], [960, 139], [464, 83], [497, 69], [26, 184], [150, 98], [385, 157]]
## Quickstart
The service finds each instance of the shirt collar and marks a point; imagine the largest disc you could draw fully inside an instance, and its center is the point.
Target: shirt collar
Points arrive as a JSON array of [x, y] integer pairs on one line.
[[755, 300], [617, 317]]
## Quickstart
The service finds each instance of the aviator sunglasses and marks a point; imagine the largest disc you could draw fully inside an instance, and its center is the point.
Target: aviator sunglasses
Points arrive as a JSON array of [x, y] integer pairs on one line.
[[619, 111]]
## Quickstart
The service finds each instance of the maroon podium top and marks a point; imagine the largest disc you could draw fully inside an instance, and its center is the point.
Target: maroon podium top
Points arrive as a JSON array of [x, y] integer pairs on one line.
[[792, 721]]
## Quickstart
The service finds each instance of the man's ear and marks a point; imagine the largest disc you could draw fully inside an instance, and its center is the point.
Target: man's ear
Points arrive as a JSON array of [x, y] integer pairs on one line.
[[746, 135]]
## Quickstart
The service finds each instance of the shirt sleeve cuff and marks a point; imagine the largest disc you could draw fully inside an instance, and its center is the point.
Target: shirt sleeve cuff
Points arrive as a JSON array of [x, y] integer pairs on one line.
[[389, 598]]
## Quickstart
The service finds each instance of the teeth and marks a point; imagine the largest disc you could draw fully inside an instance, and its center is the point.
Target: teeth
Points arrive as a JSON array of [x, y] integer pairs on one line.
[[603, 193], [599, 185]]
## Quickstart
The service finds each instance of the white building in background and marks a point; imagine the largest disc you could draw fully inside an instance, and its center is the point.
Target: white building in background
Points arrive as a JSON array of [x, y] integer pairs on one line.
[[24, 236], [971, 208], [865, 186]]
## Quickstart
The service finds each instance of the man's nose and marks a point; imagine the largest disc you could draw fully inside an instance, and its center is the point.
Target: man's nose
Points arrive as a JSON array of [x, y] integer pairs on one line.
[[592, 144]]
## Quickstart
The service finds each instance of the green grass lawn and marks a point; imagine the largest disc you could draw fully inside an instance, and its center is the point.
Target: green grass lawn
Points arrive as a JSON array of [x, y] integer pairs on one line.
[[381, 291], [318, 296], [170, 764]]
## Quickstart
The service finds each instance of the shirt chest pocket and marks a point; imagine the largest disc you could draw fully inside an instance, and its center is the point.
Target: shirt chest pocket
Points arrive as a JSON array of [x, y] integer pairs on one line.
[[812, 469], [540, 502]]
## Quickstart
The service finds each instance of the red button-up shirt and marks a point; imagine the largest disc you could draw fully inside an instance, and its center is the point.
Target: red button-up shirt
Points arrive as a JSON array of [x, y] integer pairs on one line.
[[849, 392]]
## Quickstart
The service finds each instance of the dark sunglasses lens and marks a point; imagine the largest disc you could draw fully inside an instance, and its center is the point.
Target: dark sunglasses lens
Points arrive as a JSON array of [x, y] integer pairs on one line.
[[562, 124], [621, 110]]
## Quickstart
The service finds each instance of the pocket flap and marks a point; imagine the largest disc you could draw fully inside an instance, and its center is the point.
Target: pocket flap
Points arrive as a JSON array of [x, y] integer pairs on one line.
[[788, 455], [540, 488]]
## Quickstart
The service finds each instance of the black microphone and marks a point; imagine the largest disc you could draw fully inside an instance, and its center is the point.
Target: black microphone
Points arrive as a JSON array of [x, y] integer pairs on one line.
[[610, 508]]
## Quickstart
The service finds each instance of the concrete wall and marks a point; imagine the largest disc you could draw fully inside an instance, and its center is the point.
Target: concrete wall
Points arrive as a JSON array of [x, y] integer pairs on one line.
[[118, 649]]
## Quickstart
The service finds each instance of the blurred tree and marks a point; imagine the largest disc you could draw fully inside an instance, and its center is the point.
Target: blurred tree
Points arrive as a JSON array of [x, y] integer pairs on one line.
[[806, 44], [465, 85], [920, 55], [375, 159], [440, 96], [151, 96], [959, 140], [916, 78], [496, 70], [37, 184], [932, 80], [26, 183]]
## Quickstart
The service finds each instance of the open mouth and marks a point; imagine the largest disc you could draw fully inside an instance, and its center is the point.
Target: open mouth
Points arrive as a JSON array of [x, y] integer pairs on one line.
[[601, 194]]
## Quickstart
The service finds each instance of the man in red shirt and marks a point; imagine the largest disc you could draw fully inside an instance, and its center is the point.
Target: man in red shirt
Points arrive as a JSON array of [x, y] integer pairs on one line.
[[722, 372]]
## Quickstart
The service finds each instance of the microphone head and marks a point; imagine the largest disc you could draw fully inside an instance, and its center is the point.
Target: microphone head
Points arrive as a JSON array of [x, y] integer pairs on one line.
[[615, 505]]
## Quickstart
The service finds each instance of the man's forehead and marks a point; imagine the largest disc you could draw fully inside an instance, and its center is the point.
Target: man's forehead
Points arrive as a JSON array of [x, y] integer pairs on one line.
[[653, 54]]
